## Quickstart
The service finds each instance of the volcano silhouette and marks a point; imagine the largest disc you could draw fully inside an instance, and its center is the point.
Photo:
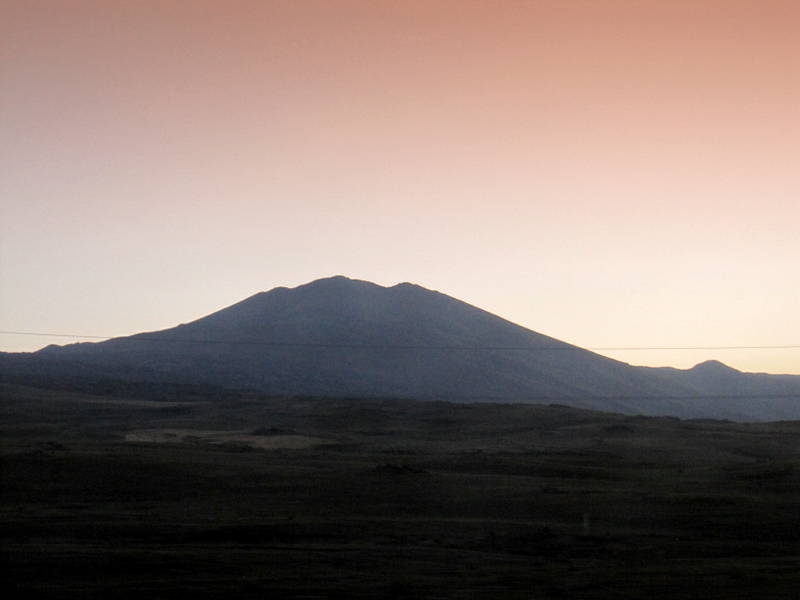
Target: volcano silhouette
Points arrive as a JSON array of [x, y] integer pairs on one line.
[[344, 337]]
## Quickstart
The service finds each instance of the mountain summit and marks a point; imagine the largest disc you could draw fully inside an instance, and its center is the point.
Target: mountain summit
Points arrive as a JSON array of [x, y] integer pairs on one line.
[[345, 337]]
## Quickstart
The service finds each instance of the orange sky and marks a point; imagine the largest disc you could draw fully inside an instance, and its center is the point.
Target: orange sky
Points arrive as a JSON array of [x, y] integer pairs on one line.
[[608, 172]]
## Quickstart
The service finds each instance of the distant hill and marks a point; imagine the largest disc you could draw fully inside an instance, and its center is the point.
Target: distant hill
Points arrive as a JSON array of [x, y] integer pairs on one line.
[[344, 337]]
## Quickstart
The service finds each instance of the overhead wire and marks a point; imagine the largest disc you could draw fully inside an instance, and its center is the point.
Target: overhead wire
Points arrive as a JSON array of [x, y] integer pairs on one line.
[[539, 399], [564, 345]]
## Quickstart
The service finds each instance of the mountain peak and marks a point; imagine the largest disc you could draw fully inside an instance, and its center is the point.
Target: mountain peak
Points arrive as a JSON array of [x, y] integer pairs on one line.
[[337, 280], [713, 366], [408, 285], [343, 337], [340, 278]]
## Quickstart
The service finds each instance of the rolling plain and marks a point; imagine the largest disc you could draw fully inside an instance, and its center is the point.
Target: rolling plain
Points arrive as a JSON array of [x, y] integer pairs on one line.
[[223, 493]]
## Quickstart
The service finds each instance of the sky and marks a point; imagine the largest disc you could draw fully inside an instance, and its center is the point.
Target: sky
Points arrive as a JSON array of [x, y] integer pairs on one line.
[[613, 173]]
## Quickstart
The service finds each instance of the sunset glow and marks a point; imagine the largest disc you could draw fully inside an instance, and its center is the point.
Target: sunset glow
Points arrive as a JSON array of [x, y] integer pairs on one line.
[[612, 173]]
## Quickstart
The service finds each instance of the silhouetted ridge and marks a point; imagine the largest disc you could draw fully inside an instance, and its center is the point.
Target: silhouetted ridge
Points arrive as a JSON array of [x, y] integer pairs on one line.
[[338, 336], [714, 366]]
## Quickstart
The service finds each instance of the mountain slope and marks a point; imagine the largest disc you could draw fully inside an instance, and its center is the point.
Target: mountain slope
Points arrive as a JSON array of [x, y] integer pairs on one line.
[[343, 337]]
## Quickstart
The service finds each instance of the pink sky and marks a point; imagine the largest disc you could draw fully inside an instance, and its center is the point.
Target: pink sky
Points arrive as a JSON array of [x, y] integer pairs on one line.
[[608, 172]]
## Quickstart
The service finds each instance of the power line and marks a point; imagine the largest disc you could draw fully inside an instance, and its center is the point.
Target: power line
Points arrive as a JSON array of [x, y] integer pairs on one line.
[[47, 334], [565, 346], [561, 399]]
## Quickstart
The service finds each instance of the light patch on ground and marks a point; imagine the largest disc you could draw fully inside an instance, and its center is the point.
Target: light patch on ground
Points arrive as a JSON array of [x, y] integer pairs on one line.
[[204, 436]]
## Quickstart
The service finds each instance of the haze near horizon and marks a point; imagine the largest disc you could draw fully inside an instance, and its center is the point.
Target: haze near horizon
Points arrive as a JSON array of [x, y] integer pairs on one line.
[[610, 173]]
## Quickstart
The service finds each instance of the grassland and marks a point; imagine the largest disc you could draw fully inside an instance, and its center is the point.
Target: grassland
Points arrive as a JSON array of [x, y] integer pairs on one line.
[[250, 497]]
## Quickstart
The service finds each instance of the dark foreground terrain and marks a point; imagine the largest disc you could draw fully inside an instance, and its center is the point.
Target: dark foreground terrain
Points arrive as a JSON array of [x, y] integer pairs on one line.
[[241, 496]]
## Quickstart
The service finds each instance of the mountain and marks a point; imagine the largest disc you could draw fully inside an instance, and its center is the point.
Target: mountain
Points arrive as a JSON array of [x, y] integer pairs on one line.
[[345, 337]]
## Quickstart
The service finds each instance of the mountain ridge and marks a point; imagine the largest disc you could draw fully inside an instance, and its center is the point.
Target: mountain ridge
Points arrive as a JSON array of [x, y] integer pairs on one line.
[[338, 336]]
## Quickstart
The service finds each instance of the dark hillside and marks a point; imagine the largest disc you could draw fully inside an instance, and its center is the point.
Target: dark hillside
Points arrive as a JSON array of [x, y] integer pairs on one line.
[[340, 337]]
